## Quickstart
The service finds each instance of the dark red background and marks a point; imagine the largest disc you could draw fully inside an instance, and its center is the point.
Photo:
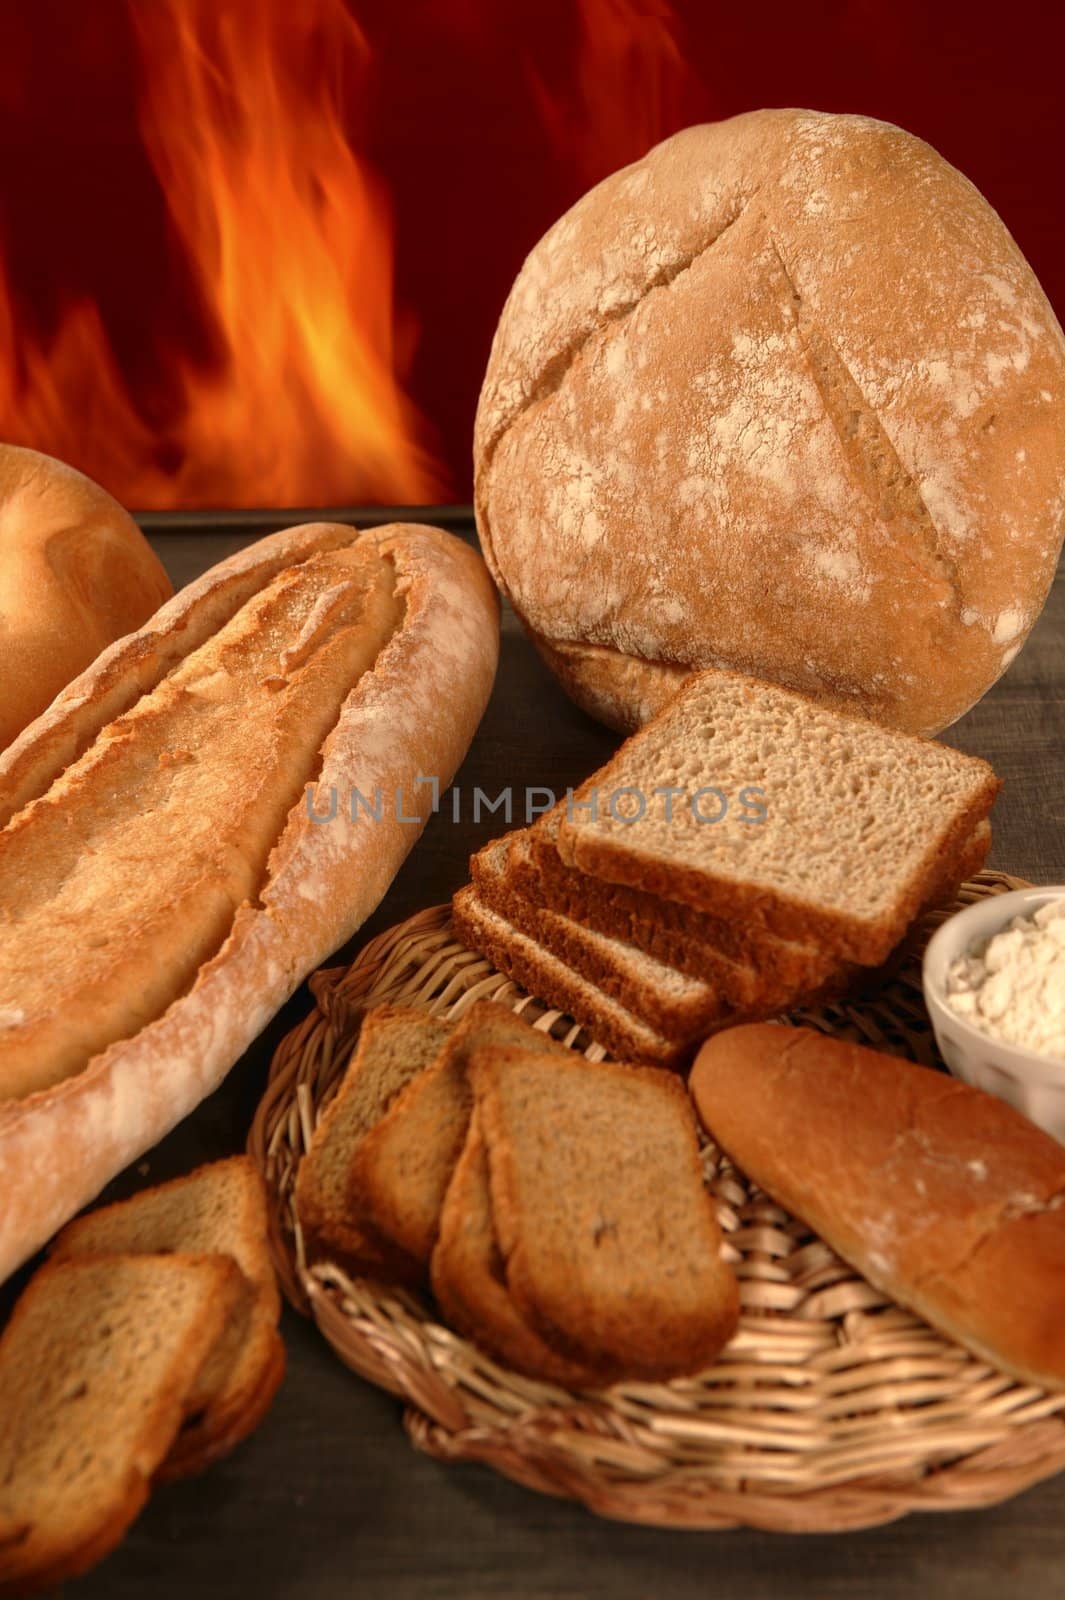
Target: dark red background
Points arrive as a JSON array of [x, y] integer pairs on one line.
[[454, 125]]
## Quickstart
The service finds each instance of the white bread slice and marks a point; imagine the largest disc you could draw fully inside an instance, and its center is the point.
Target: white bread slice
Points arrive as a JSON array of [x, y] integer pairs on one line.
[[858, 819], [219, 1208], [99, 1364]]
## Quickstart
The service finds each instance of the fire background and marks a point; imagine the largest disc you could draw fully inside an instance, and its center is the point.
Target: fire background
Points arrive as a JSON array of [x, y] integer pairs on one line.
[[252, 252]]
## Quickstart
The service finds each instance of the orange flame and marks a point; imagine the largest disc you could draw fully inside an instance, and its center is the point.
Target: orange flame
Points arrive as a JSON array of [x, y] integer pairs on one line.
[[630, 91], [288, 238]]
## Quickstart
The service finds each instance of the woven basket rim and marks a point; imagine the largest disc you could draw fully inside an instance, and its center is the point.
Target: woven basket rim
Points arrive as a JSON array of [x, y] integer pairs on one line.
[[950, 1433]]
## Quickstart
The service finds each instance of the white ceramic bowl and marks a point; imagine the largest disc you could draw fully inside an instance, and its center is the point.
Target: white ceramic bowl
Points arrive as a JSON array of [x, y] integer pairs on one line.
[[1035, 1084]]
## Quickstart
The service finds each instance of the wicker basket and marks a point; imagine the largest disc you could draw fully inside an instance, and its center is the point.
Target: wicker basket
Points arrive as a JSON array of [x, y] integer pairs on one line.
[[832, 1408]]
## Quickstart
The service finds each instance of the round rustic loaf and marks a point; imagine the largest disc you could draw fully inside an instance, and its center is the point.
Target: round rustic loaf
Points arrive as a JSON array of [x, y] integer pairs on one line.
[[76, 573], [783, 396]]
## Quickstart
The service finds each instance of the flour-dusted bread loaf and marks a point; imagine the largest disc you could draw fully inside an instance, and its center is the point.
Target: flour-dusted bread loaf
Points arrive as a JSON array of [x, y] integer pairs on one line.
[[201, 818], [944, 1197], [218, 1209], [75, 574], [101, 1362], [782, 396]]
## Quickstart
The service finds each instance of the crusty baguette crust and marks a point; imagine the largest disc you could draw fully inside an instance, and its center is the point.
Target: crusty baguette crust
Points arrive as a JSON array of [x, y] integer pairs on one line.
[[412, 715], [944, 1197]]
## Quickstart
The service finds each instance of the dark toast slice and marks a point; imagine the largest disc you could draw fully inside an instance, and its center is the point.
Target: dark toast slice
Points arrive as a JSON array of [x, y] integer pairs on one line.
[[102, 1360], [219, 1208], [395, 1045], [610, 1243], [400, 1172], [470, 1287]]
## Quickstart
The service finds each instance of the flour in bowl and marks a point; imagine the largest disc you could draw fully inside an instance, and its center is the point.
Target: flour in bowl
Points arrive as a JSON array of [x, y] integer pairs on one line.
[[1013, 988]]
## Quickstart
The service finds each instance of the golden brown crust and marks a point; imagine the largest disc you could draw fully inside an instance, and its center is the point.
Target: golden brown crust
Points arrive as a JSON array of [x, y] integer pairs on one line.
[[75, 574], [321, 882], [782, 396], [944, 1197]]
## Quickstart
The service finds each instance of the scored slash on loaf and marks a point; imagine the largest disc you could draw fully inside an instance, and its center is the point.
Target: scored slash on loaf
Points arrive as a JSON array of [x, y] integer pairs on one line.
[[656, 931], [750, 405], [165, 882]]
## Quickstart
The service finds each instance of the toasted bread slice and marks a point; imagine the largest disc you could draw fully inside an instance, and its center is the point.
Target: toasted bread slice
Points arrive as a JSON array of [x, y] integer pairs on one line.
[[221, 1207], [100, 1363], [856, 820], [400, 1172], [470, 1286], [395, 1045], [543, 974], [610, 1244], [669, 1001]]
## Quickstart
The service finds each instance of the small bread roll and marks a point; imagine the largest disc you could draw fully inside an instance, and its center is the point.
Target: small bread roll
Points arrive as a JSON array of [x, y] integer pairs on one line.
[[782, 397], [76, 573]]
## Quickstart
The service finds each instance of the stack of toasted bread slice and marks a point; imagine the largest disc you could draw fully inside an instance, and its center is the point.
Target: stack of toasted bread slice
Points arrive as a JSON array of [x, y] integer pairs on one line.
[[146, 1347], [746, 852], [555, 1206]]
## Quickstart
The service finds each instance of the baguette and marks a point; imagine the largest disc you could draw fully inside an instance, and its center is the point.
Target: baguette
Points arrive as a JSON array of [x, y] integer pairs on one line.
[[134, 973], [942, 1196]]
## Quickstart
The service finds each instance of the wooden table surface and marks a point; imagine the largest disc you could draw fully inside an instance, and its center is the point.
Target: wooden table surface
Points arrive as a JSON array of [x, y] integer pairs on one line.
[[328, 1499]]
